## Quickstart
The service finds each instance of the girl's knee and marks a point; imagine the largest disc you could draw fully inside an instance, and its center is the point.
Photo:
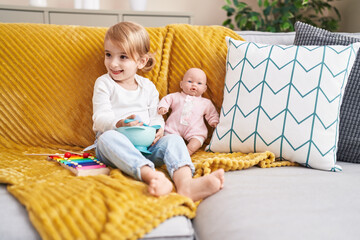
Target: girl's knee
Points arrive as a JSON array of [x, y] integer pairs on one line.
[[110, 136], [174, 139], [107, 134]]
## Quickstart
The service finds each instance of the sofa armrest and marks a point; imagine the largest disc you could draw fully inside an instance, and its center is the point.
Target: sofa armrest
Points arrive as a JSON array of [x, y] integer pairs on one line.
[[283, 38]]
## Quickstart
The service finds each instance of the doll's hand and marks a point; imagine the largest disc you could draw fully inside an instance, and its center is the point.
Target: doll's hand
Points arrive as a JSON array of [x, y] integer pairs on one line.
[[121, 123], [162, 111], [158, 135]]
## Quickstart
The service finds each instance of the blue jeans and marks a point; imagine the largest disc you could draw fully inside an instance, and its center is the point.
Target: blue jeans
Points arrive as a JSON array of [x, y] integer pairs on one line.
[[115, 150]]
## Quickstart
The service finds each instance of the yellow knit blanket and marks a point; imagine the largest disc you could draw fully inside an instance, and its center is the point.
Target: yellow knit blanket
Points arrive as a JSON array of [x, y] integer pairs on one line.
[[47, 74], [62, 206]]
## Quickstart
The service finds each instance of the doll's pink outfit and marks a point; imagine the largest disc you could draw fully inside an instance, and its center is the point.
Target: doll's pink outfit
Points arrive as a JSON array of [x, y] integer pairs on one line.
[[187, 115]]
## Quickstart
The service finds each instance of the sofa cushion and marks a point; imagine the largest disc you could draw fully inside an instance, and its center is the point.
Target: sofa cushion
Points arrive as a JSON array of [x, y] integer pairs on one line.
[[349, 134], [274, 92], [14, 220], [273, 204]]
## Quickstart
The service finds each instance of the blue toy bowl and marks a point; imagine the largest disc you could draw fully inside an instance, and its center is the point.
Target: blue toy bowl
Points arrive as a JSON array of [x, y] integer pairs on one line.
[[142, 137]]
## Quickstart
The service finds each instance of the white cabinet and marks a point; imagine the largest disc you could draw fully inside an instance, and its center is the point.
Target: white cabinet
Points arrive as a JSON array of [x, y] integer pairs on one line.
[[84, 19], [14, 15], [97, 18], [159, 20]]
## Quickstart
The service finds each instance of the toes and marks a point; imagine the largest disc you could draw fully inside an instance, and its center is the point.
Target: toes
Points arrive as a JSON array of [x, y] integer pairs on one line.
[[222, 180], [152, 187], [220, 175], [159, 186]]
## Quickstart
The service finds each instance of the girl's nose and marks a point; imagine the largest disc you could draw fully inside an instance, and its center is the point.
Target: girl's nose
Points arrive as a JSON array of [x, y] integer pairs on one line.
[[114, 62]]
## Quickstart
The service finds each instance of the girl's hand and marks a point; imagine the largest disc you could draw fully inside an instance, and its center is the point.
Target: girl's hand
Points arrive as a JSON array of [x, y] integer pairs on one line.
[[158, 135], [121, 122]]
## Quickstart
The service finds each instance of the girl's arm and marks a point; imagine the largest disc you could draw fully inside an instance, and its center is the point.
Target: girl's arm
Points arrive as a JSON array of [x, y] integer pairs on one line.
[[155, 117], [103, 116]]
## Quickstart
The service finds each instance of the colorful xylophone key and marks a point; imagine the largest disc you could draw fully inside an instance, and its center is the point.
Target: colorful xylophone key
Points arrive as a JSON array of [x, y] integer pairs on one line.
[[80, 165]]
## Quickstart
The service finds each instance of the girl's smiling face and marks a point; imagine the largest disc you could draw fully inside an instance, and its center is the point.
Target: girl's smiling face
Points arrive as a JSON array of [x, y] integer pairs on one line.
[[119, 65]]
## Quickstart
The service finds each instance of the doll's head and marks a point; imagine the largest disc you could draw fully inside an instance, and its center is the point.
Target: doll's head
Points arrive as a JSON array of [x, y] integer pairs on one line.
[[194, 82]]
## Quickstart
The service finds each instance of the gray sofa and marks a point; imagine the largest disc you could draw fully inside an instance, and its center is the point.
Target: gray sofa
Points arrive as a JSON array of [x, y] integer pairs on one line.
[[256, 203]]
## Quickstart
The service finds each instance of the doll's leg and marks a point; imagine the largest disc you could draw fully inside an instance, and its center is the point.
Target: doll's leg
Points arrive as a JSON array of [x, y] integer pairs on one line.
[[193, 145], [115, 150]]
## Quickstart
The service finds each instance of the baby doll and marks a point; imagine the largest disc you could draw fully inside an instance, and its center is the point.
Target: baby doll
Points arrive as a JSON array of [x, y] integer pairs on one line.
[[189, 109]]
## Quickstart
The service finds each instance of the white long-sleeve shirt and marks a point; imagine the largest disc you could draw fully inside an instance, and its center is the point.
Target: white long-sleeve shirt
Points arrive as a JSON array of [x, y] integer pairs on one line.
[[111, 102]]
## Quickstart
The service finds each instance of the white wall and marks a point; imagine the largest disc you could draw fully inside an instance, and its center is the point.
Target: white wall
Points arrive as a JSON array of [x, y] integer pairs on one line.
[[205, 12]]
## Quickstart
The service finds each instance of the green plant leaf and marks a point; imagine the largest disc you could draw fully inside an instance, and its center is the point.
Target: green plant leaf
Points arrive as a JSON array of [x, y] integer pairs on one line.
[[337, 13], [267, 11], [280, 15], [226, 22], [229, 10], [285, 26], [242, 6], [274, 3], [266, 3]]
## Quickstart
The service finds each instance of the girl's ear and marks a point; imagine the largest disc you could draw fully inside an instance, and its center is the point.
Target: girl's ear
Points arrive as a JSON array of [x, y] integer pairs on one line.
[[142, 61]]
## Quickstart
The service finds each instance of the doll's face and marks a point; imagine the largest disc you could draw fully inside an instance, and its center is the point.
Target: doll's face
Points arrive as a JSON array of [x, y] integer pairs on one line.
[[194, 82]]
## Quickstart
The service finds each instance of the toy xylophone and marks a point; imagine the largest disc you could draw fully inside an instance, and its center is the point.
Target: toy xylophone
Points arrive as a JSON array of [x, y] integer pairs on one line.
[[80, 165]]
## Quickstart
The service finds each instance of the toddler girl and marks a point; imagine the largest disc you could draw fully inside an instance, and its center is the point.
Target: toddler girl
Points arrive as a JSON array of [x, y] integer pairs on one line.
[[121, 94]]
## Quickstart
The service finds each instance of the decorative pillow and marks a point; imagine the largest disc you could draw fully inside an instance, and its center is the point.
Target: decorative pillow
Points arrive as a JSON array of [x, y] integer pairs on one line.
[[284, 99], [349, 128]]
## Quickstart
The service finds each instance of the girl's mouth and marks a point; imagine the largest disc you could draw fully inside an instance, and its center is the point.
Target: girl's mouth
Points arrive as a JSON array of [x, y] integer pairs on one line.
[[116, 72]]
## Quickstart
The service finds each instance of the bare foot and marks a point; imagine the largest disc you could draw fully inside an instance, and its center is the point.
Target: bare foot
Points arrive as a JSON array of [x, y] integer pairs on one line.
[[220, 174], [159, 185], [202, 187]]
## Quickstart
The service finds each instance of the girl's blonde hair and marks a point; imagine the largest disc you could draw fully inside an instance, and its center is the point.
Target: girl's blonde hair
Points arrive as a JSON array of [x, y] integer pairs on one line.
[[133, 39]]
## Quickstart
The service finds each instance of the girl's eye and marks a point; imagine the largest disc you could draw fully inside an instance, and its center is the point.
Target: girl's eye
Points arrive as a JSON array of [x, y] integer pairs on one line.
[[123, 57], [189, 81], [107, 55], [199, 83]]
